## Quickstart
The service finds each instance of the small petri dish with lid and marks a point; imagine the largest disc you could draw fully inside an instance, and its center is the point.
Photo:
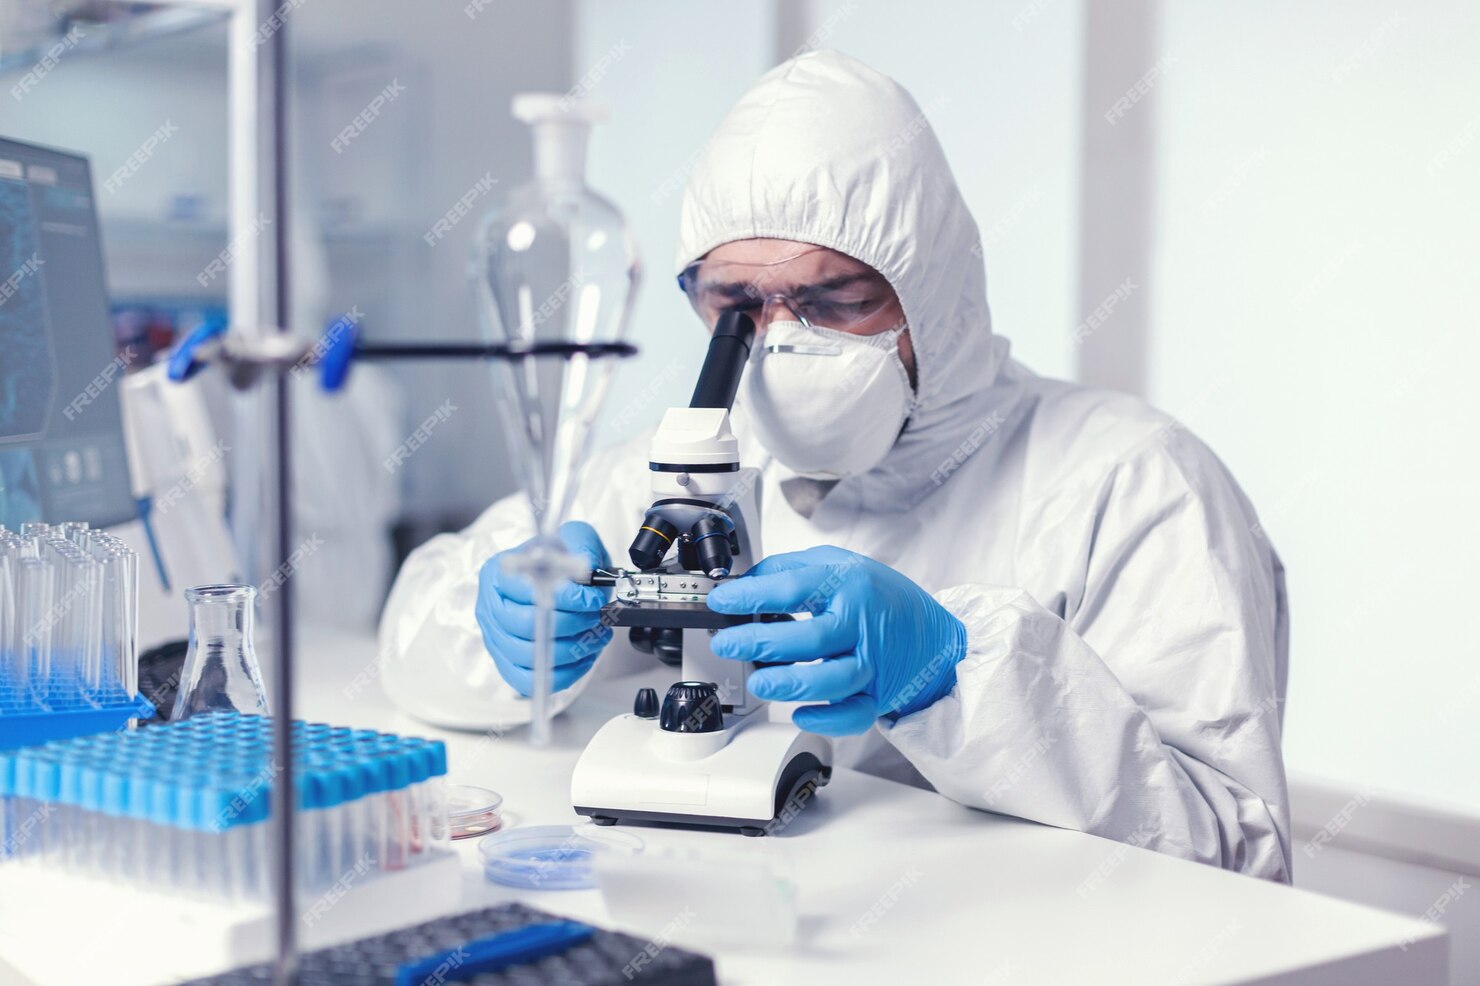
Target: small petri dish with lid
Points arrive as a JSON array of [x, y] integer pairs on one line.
[[551, 857], [473, 811]]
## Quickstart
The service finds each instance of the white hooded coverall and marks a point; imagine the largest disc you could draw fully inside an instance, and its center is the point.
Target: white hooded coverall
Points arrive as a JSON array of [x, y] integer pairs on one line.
[[1125, 615]]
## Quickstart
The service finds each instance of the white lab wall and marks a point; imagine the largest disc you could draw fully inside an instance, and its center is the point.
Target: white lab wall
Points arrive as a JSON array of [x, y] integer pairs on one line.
[[1000, 82], [668, 79], [1315, 300]]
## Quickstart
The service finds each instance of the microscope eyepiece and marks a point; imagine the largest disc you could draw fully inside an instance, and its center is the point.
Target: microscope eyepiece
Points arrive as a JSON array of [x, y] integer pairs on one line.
[[729, 349], [652, 542]]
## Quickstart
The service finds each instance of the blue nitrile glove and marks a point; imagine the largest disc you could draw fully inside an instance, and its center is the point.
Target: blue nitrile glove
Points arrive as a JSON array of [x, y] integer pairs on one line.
[[888, 647], [506, 615]]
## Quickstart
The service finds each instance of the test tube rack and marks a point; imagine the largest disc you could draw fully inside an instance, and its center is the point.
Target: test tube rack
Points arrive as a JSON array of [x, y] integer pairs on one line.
[[166, 827], [67, 713], [68, 657]]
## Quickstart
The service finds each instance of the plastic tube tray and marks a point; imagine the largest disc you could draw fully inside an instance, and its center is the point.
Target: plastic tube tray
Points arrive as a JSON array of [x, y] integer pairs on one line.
[[24, 723]]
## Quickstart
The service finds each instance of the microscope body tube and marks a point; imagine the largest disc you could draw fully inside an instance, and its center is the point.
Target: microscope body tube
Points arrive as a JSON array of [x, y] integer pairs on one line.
[[729, 351]]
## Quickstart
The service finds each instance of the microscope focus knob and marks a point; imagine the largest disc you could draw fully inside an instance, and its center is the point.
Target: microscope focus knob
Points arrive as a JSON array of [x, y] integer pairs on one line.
[[692, 707], [645, 706]]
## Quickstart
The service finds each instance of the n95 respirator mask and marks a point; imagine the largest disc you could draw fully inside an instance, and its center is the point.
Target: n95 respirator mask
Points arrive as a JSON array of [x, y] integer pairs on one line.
[[827, 404]]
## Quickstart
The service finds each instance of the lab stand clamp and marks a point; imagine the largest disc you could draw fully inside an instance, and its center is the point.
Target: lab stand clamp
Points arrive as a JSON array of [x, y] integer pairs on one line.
[[707, 755]]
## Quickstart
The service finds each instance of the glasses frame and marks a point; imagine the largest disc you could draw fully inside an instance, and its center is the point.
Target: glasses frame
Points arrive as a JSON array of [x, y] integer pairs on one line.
[[688, 283]]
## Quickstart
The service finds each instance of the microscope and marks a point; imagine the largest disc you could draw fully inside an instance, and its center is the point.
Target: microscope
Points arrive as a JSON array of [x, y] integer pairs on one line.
[[707, 755]]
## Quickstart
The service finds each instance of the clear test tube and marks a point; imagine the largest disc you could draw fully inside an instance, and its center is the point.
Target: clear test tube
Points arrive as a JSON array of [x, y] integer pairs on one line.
[[9, 835], [34, 528], [136, 864], [215, 862], [128, 631], [70, 784], [425, 794], [303, 879], [324, 823], [113, 624], [416, 820], [72, 610], [33, 629], [12, 638], [150, 800], [106, 672], [97, 825], [12, 665], [56, 620], [68, 617], [88, 610], [195, 855], [235, 864], [20, 840], [369, 824], [439, 833], [398, 815], [355, 850], [319, 804], [120, 825]]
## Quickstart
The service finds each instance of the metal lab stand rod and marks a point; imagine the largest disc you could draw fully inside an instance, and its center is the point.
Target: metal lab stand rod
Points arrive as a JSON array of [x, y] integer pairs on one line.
[[286, 804], [257, 187]]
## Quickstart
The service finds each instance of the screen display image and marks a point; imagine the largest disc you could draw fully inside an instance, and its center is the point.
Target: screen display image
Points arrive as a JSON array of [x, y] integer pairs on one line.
[[61, 434]]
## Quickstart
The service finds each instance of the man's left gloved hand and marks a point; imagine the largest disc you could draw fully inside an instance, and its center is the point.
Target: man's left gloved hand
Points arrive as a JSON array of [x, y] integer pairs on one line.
[[887, 648]]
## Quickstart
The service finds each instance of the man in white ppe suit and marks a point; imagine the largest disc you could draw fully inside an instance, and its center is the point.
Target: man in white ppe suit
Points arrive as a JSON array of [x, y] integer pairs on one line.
[[1103, 623]]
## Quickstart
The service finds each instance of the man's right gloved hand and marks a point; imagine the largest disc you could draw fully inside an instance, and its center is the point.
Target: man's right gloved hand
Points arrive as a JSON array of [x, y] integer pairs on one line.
[[506, 615]]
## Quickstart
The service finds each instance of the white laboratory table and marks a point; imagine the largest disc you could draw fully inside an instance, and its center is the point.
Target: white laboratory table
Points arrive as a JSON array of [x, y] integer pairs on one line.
[[952, 895]]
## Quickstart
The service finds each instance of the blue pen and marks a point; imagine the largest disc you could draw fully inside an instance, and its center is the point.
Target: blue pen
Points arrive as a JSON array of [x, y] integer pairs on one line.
[[493, 953]]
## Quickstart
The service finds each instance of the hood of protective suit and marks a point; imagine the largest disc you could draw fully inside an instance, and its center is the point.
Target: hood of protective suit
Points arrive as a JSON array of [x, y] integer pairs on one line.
[[825, 150]]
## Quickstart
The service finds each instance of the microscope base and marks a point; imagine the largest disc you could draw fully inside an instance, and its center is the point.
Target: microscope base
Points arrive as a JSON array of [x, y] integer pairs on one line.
[[757, 778]]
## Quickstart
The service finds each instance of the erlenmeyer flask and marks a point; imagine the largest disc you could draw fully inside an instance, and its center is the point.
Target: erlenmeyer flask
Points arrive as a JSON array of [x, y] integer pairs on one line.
[[554, 269], [220, 669]]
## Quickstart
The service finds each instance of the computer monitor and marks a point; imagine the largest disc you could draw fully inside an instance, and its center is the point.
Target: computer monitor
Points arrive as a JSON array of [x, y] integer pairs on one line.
[[61, 429]]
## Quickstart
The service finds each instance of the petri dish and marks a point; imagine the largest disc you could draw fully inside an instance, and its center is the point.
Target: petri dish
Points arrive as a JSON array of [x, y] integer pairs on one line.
[[551, 857], [473, 811]]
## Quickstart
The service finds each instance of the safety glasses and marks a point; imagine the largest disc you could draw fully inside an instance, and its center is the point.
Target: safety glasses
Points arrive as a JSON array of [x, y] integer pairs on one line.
[[848, 302]]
